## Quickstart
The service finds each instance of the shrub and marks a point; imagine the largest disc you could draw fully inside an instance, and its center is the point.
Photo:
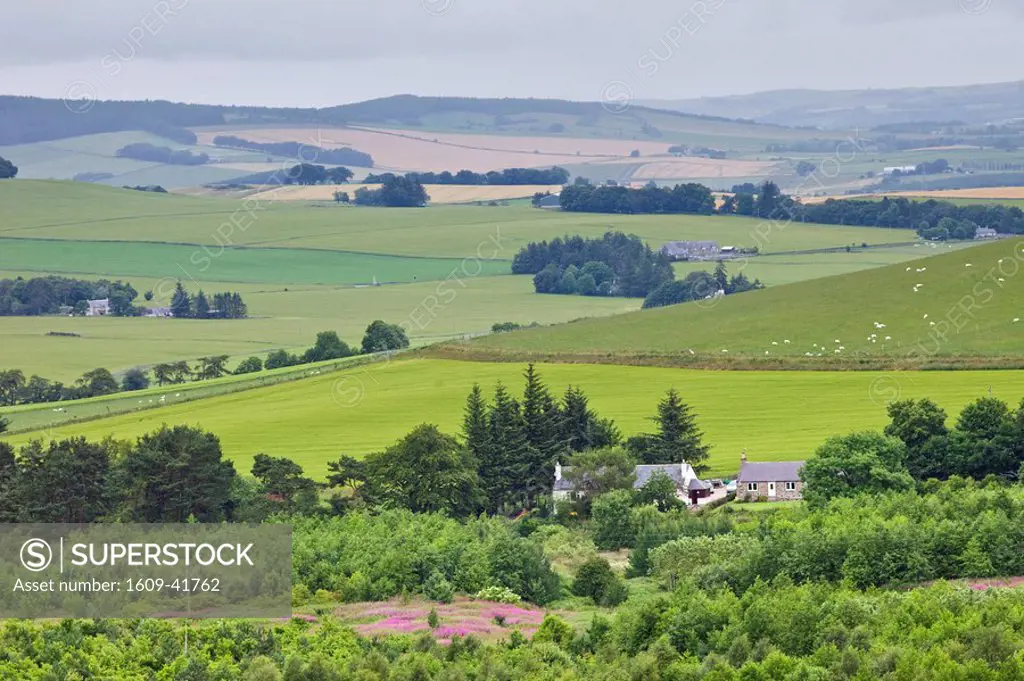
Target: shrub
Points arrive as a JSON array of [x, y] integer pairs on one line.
[[437, 588], [498, 594], [249, 365]]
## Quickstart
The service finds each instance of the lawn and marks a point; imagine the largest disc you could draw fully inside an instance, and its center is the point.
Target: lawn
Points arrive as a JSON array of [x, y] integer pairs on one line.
[[960, 303], [771, 415]]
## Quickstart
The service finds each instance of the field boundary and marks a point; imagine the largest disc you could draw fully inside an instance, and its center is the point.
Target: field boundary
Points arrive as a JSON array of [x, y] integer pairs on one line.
[[203, 392], [712, 362]]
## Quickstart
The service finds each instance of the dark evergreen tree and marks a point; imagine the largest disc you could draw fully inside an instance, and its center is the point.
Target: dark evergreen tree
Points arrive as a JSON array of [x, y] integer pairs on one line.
[[678, 438], [475, 430], [65, 482], [181, 305], [505, 468], [201, 306], [541, 414], [174, 474], [580, 428]]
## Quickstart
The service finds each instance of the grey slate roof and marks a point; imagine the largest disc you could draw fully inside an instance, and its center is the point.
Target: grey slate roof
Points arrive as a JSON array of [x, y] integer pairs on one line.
[[770, 471], [644, 473]]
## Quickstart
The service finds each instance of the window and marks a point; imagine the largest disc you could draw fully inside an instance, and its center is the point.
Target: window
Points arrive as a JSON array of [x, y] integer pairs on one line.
[[751, 486], [790, 486]]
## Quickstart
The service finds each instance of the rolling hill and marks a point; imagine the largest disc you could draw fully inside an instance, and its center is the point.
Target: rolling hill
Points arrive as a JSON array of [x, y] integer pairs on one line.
[[958, 304], [974, 104]]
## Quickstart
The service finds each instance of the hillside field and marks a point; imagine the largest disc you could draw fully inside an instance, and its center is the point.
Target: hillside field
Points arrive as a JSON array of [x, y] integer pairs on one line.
[[304, 269], [438, 193], [963, 303], [283, 317], [77, 212], [773, 415]]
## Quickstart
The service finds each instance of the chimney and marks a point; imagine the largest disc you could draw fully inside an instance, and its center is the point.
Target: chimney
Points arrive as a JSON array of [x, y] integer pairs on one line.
[[558, 471], [743, 457]]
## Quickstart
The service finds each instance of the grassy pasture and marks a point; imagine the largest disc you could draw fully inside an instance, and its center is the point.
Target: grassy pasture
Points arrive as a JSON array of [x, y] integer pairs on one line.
[[213, 263], [283, 316], [773, 415], [69, 211], [774, 270], [958, 310]]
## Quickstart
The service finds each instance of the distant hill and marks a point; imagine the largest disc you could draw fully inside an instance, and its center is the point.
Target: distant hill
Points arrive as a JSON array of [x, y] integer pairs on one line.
[[841, 109], [965, 305], [31, 119]]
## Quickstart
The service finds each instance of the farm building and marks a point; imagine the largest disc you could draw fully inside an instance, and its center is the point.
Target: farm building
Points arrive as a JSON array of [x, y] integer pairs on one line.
[[158, 312], [902, 170], [986, 233], [772, 480], [691, 250], [98, 308], [688, 486], [550, 202]]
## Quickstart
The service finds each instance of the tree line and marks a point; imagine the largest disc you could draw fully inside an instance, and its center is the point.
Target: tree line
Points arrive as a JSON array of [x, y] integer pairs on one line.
[[7, 169], [612, 265], [53, 294], [701, 285], [931, 218], [143, 151], [917, 445], [226, 305], [15, 389], [396, 191], [343, 156], [508, 176], [683, 198]]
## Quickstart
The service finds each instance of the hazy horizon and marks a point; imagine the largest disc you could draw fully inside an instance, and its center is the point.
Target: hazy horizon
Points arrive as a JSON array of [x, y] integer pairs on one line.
[[263, 53]]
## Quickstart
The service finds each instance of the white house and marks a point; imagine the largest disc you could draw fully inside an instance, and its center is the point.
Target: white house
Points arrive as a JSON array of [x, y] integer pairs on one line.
[[98, 308], [688, 485]]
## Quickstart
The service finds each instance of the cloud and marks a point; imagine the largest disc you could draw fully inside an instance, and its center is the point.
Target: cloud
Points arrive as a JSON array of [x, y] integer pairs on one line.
[[569, 48]]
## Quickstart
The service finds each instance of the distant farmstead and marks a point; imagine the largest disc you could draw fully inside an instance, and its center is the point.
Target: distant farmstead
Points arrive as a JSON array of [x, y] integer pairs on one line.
[[771, 480], [691, 250], [986, 233], [98, 308]]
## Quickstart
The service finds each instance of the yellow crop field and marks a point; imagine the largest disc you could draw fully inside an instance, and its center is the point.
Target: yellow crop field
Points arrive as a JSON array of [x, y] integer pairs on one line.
[[418, 151], [688, 168], [439, 193], [977, 193]]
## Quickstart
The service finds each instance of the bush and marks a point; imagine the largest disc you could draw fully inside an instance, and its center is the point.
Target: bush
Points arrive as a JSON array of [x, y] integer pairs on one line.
[[437, 588], [611, 515], [249, 365], [498, 594], [596, 580]]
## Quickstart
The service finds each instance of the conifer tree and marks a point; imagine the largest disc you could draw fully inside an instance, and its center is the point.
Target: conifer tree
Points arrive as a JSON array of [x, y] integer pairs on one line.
[[541, 415], [181, 305], [474, 424], [505, 469], [678, 438]]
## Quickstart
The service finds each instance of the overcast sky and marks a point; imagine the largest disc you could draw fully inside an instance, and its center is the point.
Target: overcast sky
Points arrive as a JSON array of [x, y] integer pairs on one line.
[[326, 52]]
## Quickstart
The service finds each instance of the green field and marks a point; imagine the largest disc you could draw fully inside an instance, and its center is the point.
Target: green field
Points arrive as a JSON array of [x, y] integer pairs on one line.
[[773, 270], [284, 317], [54, 210], [974, 309], [773, 415], [298, 267], [247, 265]]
